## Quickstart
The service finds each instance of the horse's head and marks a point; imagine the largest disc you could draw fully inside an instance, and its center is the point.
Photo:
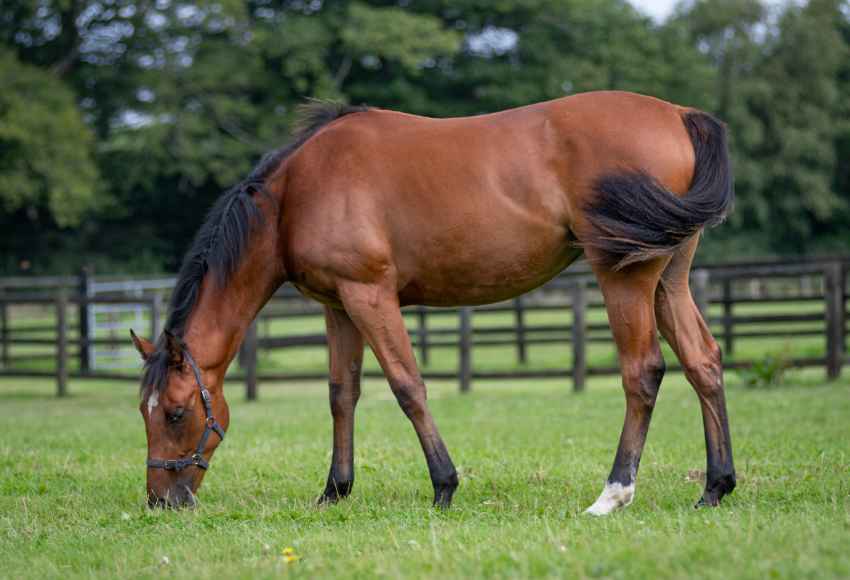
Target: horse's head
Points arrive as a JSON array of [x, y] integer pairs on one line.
[[184, 419]]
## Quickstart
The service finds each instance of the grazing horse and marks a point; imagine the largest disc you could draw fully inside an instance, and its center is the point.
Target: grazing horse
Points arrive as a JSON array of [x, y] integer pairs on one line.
[[368, 210]]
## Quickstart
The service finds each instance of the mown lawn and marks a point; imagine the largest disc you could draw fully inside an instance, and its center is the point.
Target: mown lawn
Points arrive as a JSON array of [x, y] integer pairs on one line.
[[532, 456]]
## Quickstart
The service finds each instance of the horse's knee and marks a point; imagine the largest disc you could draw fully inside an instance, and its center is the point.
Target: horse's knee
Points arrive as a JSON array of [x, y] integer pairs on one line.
[[643, 379]]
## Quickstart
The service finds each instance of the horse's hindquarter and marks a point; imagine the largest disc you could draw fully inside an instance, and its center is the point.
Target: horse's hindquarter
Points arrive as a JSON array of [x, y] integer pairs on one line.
[[464, 211]]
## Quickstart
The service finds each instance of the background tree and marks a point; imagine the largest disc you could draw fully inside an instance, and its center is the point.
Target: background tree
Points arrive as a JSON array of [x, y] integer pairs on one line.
[[48, 177], [127, 118]]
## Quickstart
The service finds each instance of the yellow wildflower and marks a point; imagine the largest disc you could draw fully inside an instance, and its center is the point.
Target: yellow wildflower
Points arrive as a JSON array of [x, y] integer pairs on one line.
[[289, 555]]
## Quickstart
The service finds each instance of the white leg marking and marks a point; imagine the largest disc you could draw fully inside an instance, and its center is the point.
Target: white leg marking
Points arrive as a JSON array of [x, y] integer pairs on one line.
[[153, 400], [614, 496]]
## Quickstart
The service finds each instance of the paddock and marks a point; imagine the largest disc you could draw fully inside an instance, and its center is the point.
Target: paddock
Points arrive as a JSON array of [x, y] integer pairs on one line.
[[72, 503], [537, 451]]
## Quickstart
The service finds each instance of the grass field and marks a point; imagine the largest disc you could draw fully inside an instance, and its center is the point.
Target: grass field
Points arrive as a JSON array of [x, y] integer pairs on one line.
[[531, 457]]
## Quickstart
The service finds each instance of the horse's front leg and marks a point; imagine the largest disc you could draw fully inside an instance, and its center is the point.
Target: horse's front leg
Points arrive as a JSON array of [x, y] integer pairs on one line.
[[345, 354], [374, 308]]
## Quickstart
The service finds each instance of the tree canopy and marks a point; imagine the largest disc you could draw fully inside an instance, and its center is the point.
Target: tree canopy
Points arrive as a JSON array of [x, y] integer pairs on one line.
[[121, 121]]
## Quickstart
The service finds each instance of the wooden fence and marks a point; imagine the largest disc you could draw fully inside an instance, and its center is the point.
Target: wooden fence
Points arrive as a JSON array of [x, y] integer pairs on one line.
[[772, 287]]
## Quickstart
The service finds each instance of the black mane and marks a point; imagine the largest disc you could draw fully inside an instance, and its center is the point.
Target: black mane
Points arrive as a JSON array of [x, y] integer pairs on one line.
[[224, 235]]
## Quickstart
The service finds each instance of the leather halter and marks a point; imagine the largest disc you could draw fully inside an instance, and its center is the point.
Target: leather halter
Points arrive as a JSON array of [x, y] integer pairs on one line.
[[211, 426]]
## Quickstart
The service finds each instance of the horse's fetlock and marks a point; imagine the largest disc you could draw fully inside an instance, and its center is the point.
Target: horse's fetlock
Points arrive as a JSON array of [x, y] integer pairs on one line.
[[723, 484], [448, 480], [444, 488], [336, 489]]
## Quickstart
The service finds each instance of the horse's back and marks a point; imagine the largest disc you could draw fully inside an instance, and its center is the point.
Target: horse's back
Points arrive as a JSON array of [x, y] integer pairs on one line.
[[591, 132], [493, 198]]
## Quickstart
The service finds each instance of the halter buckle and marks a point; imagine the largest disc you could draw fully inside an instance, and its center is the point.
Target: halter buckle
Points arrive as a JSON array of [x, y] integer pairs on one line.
[[170, 464]]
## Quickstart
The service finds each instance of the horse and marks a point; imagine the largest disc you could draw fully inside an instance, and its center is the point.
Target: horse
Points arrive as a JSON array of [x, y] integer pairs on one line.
[[367, 210]]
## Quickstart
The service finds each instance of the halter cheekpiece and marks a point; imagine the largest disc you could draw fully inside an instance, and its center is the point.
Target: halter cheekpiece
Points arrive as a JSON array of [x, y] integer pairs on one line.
[[210, 426]]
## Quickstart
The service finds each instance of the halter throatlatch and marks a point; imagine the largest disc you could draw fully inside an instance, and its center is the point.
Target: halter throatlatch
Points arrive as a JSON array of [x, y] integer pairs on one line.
[[210, 426]]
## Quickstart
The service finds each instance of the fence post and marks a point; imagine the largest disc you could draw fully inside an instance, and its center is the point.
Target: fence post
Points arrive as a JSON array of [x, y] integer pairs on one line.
[[249, 346], [84, 291], [4, 332], [156, 314], [728, 318], [61, 344], [422, 317], [267, 329], [579, 334], [700, 291], [465, 355], [519, 325], [834, 310]]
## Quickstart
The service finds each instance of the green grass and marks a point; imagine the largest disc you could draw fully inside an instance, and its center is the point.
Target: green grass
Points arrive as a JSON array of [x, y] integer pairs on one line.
[[531, 457]]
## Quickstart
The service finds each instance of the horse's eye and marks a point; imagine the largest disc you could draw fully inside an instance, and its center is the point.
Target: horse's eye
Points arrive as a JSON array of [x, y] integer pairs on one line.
[[175, 416]]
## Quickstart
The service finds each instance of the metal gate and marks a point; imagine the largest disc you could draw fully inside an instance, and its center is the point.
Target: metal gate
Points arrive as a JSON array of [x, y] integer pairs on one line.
[[114, 321]]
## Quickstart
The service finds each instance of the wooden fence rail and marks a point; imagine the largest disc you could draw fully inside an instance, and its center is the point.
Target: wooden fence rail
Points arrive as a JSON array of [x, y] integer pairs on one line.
[[519, 325]]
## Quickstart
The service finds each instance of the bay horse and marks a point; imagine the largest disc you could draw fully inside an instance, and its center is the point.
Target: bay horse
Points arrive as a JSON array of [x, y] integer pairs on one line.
[[368, 210]]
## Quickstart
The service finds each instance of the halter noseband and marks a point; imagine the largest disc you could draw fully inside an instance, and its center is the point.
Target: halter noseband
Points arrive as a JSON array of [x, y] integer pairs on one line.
[[211, 425]]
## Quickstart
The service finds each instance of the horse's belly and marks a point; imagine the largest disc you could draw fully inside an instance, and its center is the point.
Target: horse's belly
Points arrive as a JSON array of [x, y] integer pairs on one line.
[[488, 267]]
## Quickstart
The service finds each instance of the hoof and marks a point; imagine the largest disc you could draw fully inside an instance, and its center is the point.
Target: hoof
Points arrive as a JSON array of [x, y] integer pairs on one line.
[[335, 491], [613, 497], [443, 493], [716, 490]]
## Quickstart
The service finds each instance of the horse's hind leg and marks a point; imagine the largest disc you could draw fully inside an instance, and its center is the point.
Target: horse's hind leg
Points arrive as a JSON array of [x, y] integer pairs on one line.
[[629, 298], [345, 354], [375, 310], [685, 330]]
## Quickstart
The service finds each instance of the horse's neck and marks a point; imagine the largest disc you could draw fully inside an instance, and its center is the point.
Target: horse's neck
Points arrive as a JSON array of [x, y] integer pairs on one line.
[[221, 316]]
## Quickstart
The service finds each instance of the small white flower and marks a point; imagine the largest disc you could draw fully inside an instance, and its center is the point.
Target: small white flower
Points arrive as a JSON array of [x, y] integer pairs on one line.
[[125, 516], [165, 561]]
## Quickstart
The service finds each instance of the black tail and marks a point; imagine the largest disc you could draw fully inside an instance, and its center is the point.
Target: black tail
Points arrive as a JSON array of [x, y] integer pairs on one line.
[[635, 218]]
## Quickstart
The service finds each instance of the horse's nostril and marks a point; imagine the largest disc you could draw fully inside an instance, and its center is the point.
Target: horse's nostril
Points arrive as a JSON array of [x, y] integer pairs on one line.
[[187, 498]]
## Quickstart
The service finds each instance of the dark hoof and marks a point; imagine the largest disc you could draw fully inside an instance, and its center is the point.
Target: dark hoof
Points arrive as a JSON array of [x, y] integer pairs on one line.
[[335, 491], [443, 493], [715, 490]]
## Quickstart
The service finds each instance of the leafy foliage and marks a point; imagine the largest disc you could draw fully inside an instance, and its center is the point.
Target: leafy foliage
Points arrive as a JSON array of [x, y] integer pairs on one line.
[[46, 161], [127, 119], [766, 372]]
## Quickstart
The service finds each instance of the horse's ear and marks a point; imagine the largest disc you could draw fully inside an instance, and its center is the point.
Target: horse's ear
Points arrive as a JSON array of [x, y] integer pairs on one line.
[[144, 346], [174, 346]]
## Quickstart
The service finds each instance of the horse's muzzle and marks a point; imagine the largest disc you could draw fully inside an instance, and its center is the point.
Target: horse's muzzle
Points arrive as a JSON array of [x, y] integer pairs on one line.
[[176, 498]]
